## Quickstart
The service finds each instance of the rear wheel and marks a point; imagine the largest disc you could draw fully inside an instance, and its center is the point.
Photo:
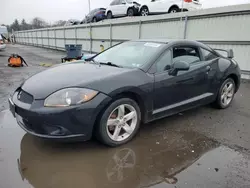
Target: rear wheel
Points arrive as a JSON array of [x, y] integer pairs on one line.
[[174, 10], [226, 94], [130, 12], [144, 11], [119, 123], [109, 15]]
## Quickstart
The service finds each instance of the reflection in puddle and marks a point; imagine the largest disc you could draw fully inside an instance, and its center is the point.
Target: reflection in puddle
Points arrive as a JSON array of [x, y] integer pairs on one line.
[[120, 164], [143, 162], [155, 158]]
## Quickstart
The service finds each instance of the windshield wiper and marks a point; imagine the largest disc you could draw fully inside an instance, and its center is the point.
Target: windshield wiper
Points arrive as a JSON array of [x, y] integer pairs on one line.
[[93, 61], [111, 64]]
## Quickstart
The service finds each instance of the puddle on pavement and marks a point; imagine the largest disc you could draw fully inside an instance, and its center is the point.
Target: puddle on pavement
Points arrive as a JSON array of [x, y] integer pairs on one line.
[[165, 159]]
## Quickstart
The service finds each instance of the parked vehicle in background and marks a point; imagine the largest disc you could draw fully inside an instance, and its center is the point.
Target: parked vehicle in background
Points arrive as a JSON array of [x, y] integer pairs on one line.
[[95, 15], [72, 22], [119, 8], [2, 44], [167, 6]]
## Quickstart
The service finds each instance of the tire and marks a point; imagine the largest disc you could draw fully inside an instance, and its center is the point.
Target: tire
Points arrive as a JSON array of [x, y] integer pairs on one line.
[[107, 134], [174, 10], [226, 102], [144, 11], [94, 20], [130, 12], [109, 15]]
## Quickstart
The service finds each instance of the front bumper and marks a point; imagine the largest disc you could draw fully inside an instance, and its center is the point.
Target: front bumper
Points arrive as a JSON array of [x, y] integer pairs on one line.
[[68, 124]]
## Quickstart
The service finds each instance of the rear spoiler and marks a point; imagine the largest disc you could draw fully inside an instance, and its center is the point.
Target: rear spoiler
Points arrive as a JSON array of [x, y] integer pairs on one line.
[[230, 52]]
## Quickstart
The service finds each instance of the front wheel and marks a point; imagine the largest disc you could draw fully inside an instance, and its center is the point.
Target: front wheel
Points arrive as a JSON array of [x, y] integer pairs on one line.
[[144, 11], [226, 94], [119, 123]]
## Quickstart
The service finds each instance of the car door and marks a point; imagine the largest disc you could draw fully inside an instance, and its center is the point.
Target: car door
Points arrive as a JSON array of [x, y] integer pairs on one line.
[[172, 92], [157, 6], [122, 7], [114, 7]]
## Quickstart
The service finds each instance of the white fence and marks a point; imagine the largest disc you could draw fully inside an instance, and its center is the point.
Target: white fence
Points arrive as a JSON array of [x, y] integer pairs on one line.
[[226, 27]]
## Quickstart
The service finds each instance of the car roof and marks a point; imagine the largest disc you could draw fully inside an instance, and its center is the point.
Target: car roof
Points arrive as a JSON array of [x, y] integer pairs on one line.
[[175, 42]]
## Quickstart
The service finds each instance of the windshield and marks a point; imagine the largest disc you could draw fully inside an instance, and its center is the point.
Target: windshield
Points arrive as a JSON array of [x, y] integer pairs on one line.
[[130, 54]]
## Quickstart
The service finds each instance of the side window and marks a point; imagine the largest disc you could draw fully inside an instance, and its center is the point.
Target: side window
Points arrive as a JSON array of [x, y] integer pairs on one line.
[[115, 2], [208, 55], [121, 1], [164, 62], [190, 55]]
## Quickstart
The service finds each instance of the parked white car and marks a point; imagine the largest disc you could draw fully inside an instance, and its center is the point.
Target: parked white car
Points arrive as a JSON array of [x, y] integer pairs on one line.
[[2, 44], [167, 6], [119, 8]]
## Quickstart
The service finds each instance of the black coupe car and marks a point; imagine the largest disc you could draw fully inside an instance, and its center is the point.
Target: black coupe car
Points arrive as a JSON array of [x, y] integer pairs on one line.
[[133, 82]]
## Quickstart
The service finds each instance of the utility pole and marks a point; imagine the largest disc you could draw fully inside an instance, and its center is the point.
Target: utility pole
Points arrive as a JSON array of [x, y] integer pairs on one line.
[[89, 6], [182, 6]]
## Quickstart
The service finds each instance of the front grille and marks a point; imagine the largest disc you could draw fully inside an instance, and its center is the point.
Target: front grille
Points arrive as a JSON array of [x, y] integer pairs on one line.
[[24, 97]]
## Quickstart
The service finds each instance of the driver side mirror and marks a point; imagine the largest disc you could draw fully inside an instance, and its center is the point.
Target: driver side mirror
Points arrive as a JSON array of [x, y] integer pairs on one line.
[[179, 66]]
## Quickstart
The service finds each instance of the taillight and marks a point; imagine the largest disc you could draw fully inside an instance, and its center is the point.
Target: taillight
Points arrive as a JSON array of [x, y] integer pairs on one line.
[[1, 41], [188, 1]]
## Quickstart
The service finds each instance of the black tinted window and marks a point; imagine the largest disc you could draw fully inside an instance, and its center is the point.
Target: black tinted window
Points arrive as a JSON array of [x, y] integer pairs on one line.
[[188, 54], [208, 55]]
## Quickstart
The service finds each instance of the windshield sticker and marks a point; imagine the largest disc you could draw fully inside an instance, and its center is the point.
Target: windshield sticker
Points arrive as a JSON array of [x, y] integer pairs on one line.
[[154, 45]]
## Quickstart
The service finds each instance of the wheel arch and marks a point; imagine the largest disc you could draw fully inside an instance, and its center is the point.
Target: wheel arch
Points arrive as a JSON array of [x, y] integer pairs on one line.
[[109, 11], [144, 6], [124, 94], [236, 80], [173, 6]]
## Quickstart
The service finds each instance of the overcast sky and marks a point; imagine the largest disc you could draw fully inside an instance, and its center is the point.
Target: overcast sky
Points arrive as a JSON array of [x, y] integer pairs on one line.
[[52, 10]]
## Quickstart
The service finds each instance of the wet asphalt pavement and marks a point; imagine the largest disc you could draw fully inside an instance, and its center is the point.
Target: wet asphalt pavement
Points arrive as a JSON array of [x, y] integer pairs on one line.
[[200, 148]]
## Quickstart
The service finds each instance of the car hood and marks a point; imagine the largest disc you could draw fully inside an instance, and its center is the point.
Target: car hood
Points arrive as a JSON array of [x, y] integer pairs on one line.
[[78, 74]]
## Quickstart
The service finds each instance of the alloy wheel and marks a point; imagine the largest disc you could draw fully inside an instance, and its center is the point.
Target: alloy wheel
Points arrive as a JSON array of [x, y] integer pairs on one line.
[[227, 93], [122, 122], [144, 12]]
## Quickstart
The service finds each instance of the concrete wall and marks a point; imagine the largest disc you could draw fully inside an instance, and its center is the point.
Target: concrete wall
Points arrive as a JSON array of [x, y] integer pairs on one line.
[[225, 27]]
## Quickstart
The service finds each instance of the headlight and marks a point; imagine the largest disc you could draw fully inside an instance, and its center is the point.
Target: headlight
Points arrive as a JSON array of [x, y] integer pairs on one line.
[[69, 97]]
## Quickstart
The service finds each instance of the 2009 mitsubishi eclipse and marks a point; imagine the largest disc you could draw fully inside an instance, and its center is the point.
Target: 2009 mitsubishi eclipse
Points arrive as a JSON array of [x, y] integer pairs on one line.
[[133, 82]]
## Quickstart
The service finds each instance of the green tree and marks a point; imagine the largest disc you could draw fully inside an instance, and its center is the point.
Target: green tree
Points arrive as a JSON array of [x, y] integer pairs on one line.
[[24, 25], [38, 23], [15, 25]]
